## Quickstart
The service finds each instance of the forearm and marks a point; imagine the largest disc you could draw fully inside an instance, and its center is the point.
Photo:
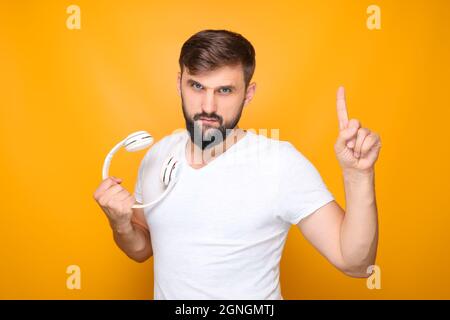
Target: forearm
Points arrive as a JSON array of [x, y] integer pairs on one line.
[[359, 229], [132, 240]]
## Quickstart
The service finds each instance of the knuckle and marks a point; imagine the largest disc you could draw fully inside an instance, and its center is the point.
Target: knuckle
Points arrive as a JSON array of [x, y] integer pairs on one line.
[[379, 143], [363, 131], [132, 200], [348, 133], [367, 145], [368, 140], [116, 188], [102, 201], [355, 122], [377, 136], [124, 207], [112, 203]]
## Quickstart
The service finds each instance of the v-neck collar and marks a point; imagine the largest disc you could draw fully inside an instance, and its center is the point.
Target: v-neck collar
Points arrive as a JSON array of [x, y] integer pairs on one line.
[[212, 162]]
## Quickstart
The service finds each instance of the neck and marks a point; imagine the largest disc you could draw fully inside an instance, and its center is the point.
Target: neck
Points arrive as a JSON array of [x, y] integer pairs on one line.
[[198, 157]]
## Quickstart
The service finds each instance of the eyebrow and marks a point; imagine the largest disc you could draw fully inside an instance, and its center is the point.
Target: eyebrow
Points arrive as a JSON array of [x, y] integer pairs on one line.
[[230, 86]]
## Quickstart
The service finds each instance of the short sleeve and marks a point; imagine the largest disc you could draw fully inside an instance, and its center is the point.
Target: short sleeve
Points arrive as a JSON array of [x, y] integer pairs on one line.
[[302, 190]]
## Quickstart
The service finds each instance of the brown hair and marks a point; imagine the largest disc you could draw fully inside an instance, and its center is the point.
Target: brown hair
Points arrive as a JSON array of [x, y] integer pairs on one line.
[[211, 49]]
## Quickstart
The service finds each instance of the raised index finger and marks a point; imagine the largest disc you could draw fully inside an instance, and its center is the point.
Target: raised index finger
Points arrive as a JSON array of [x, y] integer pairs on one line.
[[341, 108]]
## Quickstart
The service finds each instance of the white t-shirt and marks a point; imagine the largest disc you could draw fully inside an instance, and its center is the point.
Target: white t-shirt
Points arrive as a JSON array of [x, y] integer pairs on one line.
[[220, 231]]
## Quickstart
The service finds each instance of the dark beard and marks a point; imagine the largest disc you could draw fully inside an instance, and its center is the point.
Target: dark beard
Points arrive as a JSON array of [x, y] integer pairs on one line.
[[215, 135]]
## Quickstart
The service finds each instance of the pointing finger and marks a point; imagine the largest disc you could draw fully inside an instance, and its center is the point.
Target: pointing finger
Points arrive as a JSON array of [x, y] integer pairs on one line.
[[341, 108]]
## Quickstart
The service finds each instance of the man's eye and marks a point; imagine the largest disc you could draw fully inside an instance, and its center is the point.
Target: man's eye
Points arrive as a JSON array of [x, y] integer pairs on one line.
[[229, 90], [197, 85]]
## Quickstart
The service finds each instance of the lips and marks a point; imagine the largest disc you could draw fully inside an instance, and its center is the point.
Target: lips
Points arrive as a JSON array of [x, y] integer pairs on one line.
[[208, 120]]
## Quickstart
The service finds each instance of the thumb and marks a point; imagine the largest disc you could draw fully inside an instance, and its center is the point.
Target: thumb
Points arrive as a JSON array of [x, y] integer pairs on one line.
[[345, 135], [117, 180]]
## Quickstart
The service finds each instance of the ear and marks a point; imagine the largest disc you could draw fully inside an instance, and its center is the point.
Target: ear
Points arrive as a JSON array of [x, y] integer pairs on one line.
[[179, 83], [250, 93]]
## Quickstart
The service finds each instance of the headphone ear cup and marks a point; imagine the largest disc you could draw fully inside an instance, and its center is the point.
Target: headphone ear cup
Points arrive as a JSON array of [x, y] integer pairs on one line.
[[175, 172], [169, 170]]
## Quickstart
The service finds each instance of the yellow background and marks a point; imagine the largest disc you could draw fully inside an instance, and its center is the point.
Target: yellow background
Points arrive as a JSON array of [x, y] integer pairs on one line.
[[68, 96]]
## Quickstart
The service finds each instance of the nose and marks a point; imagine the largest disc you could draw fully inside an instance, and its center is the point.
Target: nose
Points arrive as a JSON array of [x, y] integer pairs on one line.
[[209, 103]]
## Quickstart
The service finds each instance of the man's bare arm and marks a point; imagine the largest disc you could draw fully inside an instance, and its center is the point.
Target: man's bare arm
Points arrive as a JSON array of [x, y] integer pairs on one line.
[[349, 240], [134, 238], [130, 229], [359, 230]]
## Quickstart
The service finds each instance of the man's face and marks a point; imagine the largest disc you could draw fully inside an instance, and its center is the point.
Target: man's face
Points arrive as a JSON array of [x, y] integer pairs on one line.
[[212, 103]]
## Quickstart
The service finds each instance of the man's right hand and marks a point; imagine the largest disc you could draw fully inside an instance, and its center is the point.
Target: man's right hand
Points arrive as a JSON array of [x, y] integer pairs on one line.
[[116, 202]]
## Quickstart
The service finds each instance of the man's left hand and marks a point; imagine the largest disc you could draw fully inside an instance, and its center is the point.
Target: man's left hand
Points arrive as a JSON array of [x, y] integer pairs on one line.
[[356, 148]]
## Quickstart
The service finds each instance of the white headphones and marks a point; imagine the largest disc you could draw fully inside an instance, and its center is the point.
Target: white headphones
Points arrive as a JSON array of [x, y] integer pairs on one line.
[[138, 141]]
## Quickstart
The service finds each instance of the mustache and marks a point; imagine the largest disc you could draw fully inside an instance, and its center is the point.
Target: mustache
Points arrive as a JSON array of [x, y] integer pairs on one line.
[[198, 116]]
